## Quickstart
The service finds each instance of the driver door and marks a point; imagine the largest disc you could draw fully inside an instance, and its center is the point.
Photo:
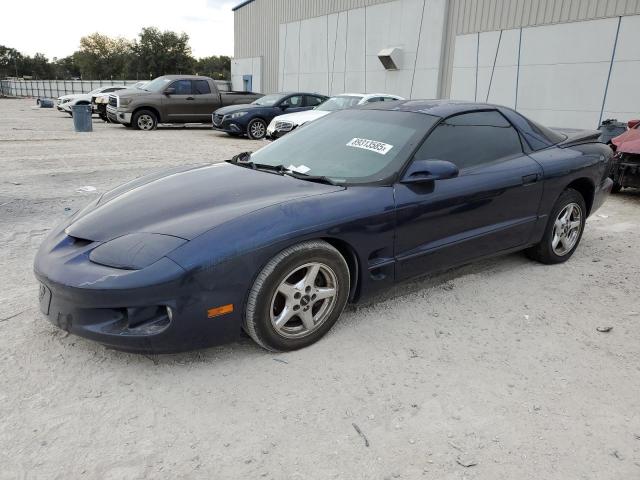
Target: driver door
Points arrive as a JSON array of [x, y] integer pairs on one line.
[[490, 206], [180, 105]]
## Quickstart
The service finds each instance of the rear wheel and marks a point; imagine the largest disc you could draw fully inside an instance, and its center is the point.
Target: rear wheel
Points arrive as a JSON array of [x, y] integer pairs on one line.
[[297, 297], [564, 229], [144, 120], [257, 129]]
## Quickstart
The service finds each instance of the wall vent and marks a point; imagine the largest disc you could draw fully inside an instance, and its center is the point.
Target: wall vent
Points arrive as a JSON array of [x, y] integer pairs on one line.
[[390, 58]]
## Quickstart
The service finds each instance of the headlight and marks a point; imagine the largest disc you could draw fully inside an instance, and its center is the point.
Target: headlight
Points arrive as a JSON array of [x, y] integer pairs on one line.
[[237, 115], [66, 100], [135, 251], [123, 102]]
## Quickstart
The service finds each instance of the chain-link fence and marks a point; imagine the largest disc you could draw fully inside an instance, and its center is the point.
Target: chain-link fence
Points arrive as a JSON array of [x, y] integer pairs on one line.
[[54, 88]]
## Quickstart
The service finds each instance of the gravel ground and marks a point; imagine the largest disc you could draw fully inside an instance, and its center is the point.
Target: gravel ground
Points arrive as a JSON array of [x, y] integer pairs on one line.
[[491, 371]]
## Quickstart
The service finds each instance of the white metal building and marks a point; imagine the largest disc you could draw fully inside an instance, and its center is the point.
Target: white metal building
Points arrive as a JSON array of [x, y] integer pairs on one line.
[[562, 62]]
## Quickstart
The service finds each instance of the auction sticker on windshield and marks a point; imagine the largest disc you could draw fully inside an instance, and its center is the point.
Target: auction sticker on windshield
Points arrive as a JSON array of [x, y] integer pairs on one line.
[[372, 145]]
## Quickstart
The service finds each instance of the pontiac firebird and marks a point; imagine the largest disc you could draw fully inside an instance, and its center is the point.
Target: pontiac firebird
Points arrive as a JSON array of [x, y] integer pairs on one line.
[[278, 241]]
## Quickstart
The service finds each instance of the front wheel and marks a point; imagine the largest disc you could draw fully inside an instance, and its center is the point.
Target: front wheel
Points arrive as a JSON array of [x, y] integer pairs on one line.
[[144, 120], [257, 129], [297, 297], [564, 229]]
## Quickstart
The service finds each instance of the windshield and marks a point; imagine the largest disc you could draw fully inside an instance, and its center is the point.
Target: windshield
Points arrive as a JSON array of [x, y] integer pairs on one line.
[[338, 103], [97, 90], [268, 100], [156, 84], [350, 146]]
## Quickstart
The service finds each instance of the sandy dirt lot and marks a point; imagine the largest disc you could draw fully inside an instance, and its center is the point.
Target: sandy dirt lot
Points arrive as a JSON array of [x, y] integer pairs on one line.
[[491, 371]]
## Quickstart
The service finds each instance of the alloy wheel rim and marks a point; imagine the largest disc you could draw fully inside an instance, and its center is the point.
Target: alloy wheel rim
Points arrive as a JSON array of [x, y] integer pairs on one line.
[[566, 229], [257, 129], [145, 122], [304, 299]]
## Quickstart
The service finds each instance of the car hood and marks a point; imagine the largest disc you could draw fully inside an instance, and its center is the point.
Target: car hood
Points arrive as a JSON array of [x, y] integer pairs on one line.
[[77, 96], [628, 142], [298, 118], [238, 108], [187, 201], [132, 92]]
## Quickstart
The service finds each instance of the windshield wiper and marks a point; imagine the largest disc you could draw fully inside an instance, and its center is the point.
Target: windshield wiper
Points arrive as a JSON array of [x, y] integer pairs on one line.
[[242, 160], [310, 178]]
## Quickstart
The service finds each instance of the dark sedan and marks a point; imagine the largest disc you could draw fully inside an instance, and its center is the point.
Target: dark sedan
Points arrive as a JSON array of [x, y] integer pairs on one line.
[[252, 119], [278, 241]]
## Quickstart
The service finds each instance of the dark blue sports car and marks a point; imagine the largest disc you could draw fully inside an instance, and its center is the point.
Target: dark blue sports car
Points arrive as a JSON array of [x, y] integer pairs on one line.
[[252, 119], [278, 241]]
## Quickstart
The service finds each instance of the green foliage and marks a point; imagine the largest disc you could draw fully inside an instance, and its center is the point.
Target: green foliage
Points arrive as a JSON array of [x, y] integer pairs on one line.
[[101, 57]]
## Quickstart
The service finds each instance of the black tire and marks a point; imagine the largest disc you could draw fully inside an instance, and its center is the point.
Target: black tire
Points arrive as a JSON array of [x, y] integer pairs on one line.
[[144, 120], [264, 296], [544, 251], [257, 129]]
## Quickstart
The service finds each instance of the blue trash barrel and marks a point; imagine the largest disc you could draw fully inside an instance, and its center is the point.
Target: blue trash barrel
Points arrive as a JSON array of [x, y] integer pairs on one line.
[[45, 103], [82, 118]]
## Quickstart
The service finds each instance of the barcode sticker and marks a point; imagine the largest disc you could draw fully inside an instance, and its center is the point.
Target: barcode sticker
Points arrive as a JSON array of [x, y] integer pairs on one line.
[[371, 145]]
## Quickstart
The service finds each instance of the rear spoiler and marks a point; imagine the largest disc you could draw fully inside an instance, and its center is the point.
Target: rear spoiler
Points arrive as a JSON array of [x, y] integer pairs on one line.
[[577, 137]]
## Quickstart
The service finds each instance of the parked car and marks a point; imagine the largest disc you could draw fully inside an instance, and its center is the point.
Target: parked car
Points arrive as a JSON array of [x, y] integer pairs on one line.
[[100, 101], [252, 119], [278, 241], [626, 167], [172, 99], [283, 124], [65, 102]]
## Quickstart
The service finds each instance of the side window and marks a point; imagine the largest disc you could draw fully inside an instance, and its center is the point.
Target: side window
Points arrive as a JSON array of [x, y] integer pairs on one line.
[[183, 87], [389, 99], [375, 99], [471, 139], [295, 101], [201, 87], [313, 101], [110, 89]]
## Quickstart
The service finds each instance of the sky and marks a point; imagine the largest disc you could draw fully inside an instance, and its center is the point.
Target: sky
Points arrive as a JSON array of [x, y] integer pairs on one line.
[[54, 27]]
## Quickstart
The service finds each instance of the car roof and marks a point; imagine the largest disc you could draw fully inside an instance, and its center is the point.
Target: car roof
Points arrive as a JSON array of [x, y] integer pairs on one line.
[[300, 93], [186, 77], [438, 108]]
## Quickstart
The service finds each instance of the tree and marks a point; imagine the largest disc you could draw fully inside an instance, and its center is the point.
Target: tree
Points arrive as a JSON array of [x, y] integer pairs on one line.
[[214, 67], [101, 56], [161, 53], [9, 58]]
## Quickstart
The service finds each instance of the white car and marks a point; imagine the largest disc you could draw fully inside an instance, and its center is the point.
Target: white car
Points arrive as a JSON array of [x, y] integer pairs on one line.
[[65, 102], [283, 124]]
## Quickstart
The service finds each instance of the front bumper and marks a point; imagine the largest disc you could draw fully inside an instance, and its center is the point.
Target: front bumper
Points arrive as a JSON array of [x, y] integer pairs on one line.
[[224, 124], [159, 309], [116, 115]]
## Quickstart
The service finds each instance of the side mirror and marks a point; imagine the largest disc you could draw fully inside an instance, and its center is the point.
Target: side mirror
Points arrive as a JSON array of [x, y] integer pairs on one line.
[[170, 91], [284, 106], [424, 171], [632, 123]]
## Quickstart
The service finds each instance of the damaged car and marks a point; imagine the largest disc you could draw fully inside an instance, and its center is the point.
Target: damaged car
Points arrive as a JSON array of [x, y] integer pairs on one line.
[[277, 242], [625, 172]]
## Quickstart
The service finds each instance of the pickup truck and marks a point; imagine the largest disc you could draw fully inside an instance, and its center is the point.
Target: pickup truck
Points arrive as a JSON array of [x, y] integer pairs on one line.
[[172, 99]]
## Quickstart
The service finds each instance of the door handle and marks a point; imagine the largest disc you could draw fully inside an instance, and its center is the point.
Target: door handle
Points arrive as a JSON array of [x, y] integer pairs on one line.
[[190, 98], [529, 179]]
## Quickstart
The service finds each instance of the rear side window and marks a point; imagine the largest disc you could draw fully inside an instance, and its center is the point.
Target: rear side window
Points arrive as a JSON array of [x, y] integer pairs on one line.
[[201, 87], [312, 100], [183, 87], [471, 139]]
